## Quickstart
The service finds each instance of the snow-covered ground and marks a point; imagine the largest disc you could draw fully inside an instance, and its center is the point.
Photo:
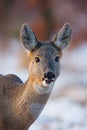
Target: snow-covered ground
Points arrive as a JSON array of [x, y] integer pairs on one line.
[[67, 106]]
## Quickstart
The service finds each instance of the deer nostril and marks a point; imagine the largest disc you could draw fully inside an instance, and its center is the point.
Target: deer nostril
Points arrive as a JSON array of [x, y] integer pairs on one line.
[[49, 75], [53, 75]]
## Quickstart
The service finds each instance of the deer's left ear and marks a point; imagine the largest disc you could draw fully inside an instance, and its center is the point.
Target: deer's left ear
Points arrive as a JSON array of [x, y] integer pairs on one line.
[[63, 37]]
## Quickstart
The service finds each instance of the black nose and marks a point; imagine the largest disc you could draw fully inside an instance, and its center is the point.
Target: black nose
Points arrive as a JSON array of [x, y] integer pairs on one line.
[[49, 75]]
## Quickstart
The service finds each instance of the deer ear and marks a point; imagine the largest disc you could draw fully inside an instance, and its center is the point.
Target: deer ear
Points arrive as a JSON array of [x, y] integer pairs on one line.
[[63, 37], [27, 37]]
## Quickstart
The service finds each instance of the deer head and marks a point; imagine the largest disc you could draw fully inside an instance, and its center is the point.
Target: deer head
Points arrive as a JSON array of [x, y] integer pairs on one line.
[[44, 58]]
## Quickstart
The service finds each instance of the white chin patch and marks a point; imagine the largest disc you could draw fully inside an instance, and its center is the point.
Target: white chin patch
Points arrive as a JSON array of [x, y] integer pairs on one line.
[[45, 88], [45, 84]]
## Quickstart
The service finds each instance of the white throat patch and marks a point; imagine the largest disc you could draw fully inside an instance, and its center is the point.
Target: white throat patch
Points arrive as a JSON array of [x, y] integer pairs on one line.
[[45, 88]]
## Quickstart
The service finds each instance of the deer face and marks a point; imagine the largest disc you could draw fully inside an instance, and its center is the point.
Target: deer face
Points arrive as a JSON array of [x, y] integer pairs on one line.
[[44, 64], [44, 58]]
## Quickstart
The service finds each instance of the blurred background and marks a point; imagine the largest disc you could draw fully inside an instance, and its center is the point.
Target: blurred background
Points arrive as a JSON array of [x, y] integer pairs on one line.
[[67, 106]]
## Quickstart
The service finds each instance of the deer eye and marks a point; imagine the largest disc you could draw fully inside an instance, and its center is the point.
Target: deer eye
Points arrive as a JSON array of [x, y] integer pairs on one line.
[[57, 58], [37, 59]]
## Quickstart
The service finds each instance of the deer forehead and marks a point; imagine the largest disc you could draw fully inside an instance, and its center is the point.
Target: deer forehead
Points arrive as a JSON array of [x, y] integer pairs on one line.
[[45, 50]]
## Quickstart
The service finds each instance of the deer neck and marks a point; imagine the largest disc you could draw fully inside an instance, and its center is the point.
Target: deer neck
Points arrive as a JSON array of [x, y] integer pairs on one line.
[[32, 99], [32, 91]]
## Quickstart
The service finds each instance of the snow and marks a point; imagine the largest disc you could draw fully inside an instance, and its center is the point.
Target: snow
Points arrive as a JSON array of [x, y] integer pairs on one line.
[[78, 57], [61, 112], [10, 61]]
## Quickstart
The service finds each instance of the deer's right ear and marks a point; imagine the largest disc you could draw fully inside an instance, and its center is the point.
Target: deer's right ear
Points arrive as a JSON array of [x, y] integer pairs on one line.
[[27, 37]]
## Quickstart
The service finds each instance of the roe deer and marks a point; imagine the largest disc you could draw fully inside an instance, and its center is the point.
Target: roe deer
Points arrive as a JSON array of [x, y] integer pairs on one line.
[[21, 103]]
